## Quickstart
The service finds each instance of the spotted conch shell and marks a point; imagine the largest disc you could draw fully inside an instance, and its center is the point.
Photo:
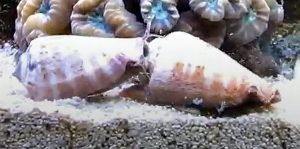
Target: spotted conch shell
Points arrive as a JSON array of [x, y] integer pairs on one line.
[[64, 66], [181, 73]]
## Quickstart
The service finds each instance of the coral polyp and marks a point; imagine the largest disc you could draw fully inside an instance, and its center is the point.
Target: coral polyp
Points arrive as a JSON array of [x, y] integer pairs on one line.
[[211, 32], [276, 17], [123, 22], [252, 24], [213, 10], [38, 18], [234, 9], [163, 14], [277, 11], [89, 20]]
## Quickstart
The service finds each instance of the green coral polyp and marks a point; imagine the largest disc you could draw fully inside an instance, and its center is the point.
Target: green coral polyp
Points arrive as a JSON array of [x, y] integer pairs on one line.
[[44, 8], [159, 12], [249, 16], [212, 4], [96, 19]]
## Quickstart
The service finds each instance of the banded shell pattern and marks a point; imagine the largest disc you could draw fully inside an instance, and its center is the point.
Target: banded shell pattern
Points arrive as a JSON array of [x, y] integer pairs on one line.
[[56, 67]]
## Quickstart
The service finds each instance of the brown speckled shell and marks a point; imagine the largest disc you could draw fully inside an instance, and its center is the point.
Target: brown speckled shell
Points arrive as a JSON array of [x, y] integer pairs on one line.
[[179, 75]]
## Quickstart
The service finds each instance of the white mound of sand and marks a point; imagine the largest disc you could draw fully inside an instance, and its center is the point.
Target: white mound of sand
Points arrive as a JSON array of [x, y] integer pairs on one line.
[[289, 107]]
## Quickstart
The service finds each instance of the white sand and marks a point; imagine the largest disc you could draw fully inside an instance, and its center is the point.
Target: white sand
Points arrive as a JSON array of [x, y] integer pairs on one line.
[[289, 107]]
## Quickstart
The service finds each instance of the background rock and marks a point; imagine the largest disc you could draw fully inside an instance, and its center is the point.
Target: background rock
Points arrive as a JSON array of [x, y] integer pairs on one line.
[[292, 10], [8, 14]]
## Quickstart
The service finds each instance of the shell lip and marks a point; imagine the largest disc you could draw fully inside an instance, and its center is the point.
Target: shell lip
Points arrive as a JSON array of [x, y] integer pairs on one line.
[[276, 98], [255, 93]]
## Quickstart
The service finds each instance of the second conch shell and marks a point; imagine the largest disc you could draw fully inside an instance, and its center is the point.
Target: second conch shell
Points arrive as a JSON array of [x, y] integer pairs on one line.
[[181, 74]]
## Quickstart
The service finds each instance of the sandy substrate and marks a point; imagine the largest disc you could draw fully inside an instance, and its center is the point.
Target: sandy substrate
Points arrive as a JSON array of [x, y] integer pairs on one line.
[[80, 124]]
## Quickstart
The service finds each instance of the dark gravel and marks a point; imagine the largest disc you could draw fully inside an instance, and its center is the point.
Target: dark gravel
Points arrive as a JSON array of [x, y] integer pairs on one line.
[[38, 130]]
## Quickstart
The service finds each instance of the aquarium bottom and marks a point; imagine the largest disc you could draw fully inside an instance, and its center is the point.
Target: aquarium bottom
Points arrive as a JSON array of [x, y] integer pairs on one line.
[[40, 130]]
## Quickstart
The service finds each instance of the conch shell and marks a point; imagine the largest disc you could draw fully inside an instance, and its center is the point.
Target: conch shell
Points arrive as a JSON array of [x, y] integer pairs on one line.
[[180, 75], [64, 66]]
